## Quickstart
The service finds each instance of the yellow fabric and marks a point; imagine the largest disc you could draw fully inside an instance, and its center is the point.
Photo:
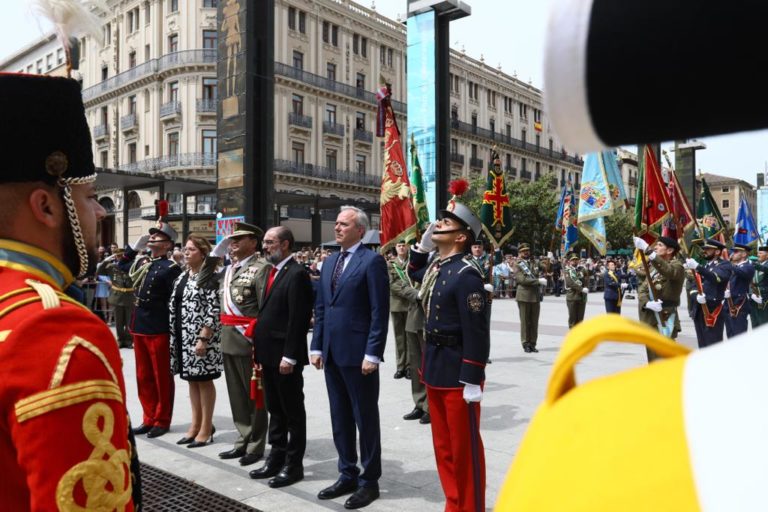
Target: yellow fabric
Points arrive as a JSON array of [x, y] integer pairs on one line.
[[614, 443]]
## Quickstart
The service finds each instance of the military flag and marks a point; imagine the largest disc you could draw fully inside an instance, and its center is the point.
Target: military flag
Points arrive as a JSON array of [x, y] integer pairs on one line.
[[417, 190], [680, 222], [596, 199], [653, 206], [746, 227], [710, 220], [495, 211], [565, 224], [398, 219]]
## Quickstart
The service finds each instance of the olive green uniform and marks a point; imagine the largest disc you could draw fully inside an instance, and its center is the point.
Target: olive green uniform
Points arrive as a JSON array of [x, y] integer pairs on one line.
[[121, 298], [398, 310], [759, 312], [528, 298], [576, 279], [668, 279]]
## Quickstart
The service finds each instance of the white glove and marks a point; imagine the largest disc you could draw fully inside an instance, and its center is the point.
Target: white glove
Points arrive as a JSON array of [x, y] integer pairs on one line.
[[140, 244], [727, 293], [701, 298], [624, 286], [221, 249], [426, 244], [654, 305], [691, 264], [640, 244], [542, 281], [652, 256], [585, 291], [472, 393], [758, 300], [488, 287]]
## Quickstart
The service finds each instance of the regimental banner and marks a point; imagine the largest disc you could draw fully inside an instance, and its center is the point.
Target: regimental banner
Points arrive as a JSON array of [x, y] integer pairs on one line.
[[599, 197], [417, 190], [495, 212]]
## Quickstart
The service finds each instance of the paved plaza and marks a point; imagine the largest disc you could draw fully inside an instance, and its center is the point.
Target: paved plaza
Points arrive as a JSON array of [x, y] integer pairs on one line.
[[515, 386]]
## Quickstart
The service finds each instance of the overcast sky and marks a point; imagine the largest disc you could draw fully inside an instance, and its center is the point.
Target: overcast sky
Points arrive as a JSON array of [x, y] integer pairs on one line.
[[510, 34]]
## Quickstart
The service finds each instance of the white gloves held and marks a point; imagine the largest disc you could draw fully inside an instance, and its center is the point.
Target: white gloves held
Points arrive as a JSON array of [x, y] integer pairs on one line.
[[585, 291], [701, 298], [640, 244], [624, 286], [542, 281], [426, 244], [222, 248], [727, 293], [758, 300], [141, 243], [691, 264], [654, 305], [472, 393]]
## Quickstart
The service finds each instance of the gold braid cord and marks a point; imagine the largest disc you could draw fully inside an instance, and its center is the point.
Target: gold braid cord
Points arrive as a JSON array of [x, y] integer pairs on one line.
[[74, 221], [105, 475]]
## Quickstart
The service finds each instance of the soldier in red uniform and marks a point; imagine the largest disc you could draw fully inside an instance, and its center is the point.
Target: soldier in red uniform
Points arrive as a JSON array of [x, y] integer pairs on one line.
[[64, 430]]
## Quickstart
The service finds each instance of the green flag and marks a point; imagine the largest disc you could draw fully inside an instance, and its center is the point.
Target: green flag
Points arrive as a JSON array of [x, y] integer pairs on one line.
[[495, 212], [710, 221], [417, 190], [640, 197]]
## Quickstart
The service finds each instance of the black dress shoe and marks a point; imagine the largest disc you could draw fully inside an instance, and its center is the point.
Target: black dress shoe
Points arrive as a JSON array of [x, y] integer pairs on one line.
[[339, 488], [526, 348], [534, 349], [362, 497], [185, 440], [198, 444], [234, 453], [250, 458], [408, 373], [287, 476], [142, 429], [270, 468], [157, 432], [425, 420], [399, 374], [415, 414]]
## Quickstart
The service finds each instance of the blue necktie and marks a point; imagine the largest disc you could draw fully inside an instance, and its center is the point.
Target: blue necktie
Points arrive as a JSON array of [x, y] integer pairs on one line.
[[338, 270]]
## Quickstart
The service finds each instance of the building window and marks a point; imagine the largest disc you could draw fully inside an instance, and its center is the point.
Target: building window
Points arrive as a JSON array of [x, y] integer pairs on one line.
[[210, 88], [360, 120], [210, 39], [474, 122], [132, 153], [331, 71], [173, 92], [210, 3], [355, 44], [726, 190], [454, 113], [297, 153], [173, 43], [146, 150], [523, 111], [551, 145], [473, 151], [174, 6], [132, 104], [173, 144], [360, 81], [326, 32], [492, 125], [360, 163], [146, 100], [147, 53], [60, 56], [133, 20], [364, 47], [104, 116], [454, 146], [131, 60], [538, 140], [147, 15], [524, 135], [292, 18], [382, 55], [40, 66], [726, 203], [509, 161], [298, 60], [302, 22], [107, 34], [49, 62], [104, 73], [209, 142], [509, 130], [298, 105], [523, 164], [335, 35], [330, 113], [331, 159], [104, 159], [390, 56]]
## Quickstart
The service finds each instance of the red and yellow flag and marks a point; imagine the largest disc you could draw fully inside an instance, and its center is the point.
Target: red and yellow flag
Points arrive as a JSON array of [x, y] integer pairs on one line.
[[398, 219]]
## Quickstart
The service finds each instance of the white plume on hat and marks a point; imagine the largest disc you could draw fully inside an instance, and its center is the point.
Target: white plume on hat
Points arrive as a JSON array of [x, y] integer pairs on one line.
[[71, 18]]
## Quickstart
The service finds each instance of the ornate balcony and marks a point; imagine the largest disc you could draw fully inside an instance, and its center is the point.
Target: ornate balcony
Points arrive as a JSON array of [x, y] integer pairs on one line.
[[299, 121], [129, 123], [363, 136], [333, 129], [170, 111], [100, 133], [457, 158], [206, 106], [327, 174]]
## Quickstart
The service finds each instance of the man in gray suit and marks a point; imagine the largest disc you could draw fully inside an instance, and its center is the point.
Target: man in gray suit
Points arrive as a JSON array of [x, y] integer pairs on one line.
[[241, 290]]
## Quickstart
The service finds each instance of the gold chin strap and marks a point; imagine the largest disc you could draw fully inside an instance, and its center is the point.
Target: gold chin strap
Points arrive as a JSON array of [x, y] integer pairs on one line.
[[74, 221]]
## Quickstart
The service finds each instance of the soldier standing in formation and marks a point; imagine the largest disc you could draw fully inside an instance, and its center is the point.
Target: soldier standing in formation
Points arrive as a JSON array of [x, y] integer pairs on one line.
[[528, 297], [241, 291], [738, 291], [759, 295], [576, 291], [398, 308], [457, 335], [708, 318], [64, 432], [121, 296], [665, 282], [153, 279]]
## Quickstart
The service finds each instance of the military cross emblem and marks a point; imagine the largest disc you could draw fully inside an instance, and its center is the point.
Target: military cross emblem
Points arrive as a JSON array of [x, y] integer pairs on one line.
[[497, 199]]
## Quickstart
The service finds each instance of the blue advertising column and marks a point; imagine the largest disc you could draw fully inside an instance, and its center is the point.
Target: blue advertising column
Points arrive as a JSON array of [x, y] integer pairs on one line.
[[428, 92]]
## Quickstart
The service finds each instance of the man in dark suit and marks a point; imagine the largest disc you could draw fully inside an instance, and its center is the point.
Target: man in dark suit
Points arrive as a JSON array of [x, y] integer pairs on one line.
[[350, 332], [614, 288], [280, 338]]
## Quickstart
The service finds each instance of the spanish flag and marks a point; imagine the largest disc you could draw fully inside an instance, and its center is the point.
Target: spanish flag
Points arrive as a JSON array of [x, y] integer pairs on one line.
[[537, 126]]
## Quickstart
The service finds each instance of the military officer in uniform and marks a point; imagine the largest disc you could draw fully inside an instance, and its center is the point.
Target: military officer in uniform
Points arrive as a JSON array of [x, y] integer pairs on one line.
[[666, 284], [528, 297], [153, 278], [456, 351], [708, 318], [759, 294], [737, 294], [241, 291], [64, 431], [576, 291], [121, 296], [398, 308]]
